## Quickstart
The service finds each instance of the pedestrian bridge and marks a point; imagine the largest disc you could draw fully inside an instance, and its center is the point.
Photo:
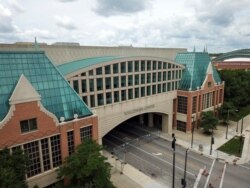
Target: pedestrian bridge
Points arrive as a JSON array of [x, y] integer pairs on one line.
[[119, 88]]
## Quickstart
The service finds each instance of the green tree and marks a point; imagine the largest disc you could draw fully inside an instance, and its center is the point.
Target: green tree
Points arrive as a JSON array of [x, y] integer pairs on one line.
[[226, 110], [86, 167], [208, 121], [13, 168]]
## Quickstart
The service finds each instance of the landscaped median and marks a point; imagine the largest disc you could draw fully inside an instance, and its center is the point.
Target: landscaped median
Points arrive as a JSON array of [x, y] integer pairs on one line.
[[233, 146]]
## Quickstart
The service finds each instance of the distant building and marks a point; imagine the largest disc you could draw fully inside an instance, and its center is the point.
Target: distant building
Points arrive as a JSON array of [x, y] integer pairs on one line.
[[233, 60], [40, 113]]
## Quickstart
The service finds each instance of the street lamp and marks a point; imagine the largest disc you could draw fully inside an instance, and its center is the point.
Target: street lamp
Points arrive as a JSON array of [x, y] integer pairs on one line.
[[192, 132], [173, 147], [212, 142], [227, 121], [183, 181]]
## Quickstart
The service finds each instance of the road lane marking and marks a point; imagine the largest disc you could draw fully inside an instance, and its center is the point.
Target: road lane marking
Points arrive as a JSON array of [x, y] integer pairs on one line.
[[198, 178], [223, 174], [209, 173], [244, 167]]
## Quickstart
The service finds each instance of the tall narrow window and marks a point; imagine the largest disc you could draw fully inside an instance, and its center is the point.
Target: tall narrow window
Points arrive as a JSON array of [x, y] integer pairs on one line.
[[194, 104], [76, 86], [182, 104], [45, 154], [56, 150], [84, 87], [71, 144]]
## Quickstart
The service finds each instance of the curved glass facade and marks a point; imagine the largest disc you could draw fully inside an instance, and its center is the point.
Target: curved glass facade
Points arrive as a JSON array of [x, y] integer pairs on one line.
[[114, 82]]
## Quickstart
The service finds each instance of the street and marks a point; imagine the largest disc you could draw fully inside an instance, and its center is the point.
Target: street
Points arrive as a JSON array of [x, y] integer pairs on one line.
[[154, 156]]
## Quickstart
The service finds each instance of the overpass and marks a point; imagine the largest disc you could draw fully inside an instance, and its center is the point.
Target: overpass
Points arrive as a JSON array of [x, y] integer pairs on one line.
[[119, 88]]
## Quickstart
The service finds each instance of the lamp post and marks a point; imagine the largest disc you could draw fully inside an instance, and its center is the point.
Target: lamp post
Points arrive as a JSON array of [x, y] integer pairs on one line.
[[241, 126], [212, 142], [192, 140], [183, 181], [227, 121], [173, 147]]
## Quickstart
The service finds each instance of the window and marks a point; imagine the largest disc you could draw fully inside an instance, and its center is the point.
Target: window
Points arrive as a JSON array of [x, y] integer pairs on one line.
[[92, 100], [182, 104], [169, 86], [116, 81], [91, 85], [85, 99], [123, 67], [154, 65], [123, 81], [86, 133], [159, 88], [108, 98], [169, 75], [159, 76], [181, 126], [154, 89], [108, 83], [209, 84], [84, 87], [115, 68], [142, 78], [148, 90], [137, 79], [99, 71], [130, 94], [164, 87], [148, 65], [71, 144], [136, 66], [107, 69], [91, 73], [130, 80], [99, 84], [154, 77], [130, 66], [148, 77], [83, 74], [136, 92], [76, 86], [159, 65], [32, 151], [124, 96], [194, 104], [45, 154], [164, 76], [164, 65], [116, 96], [142, 65], [28, 125], [142, 91], [100, 99], [56, 150]]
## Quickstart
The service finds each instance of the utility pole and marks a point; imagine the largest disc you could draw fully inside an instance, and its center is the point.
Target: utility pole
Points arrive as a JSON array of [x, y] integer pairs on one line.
[[173, 146], [227, 121], [212, 142], [192, 140], [183, 181]]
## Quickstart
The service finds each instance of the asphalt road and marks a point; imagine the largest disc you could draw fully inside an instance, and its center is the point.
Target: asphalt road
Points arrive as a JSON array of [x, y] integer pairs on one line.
[[154, 156]]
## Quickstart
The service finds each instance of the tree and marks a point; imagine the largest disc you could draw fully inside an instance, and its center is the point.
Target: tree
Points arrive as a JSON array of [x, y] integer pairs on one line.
[[208, 121], [227, 109], [13, 168], [86, 167]]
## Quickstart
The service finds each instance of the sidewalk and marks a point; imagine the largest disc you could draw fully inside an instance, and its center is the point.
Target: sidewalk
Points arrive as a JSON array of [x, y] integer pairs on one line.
[[199, 138]]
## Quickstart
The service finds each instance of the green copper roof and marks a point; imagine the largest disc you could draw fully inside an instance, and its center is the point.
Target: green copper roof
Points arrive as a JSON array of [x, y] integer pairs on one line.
[[76, 65], [196, 64], [56, 94]]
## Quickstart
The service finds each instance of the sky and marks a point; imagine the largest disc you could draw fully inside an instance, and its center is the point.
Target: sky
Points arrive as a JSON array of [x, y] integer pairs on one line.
[[218, 25]]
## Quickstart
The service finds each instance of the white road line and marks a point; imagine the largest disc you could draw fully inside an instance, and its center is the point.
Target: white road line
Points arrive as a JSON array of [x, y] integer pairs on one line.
[[198, 178], [223, 174], [209, 173], [244, 167]]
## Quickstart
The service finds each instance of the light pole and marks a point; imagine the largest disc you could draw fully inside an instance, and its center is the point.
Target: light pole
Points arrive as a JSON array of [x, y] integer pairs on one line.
[[227, 121], [212, 142], [241, 126], [173, 146], [192, 140], [183, 181]]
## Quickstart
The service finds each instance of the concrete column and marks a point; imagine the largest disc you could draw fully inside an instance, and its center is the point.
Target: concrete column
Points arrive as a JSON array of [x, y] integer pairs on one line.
[[141, 118], [150, 120], [165, 123]]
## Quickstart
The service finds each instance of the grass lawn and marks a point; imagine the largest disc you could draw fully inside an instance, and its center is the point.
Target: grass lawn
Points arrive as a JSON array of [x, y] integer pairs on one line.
[[233, 146], [244, 111]]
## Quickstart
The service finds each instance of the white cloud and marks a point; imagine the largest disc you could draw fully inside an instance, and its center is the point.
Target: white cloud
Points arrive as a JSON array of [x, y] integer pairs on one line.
[[15, 6], [65, 22], [6, 24]]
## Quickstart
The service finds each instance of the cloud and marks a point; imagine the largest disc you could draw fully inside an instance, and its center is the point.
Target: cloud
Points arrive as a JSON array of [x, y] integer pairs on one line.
[[15, 6], [116, 7], [65, 22], [6, 20], [66, 1]]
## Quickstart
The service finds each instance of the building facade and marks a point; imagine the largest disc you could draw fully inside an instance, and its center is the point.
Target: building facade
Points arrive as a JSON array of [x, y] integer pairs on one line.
[[41, 114], [201, 89]]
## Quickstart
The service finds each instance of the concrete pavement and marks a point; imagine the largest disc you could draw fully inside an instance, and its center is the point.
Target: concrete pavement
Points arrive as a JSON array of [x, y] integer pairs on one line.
[[132, 177]]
